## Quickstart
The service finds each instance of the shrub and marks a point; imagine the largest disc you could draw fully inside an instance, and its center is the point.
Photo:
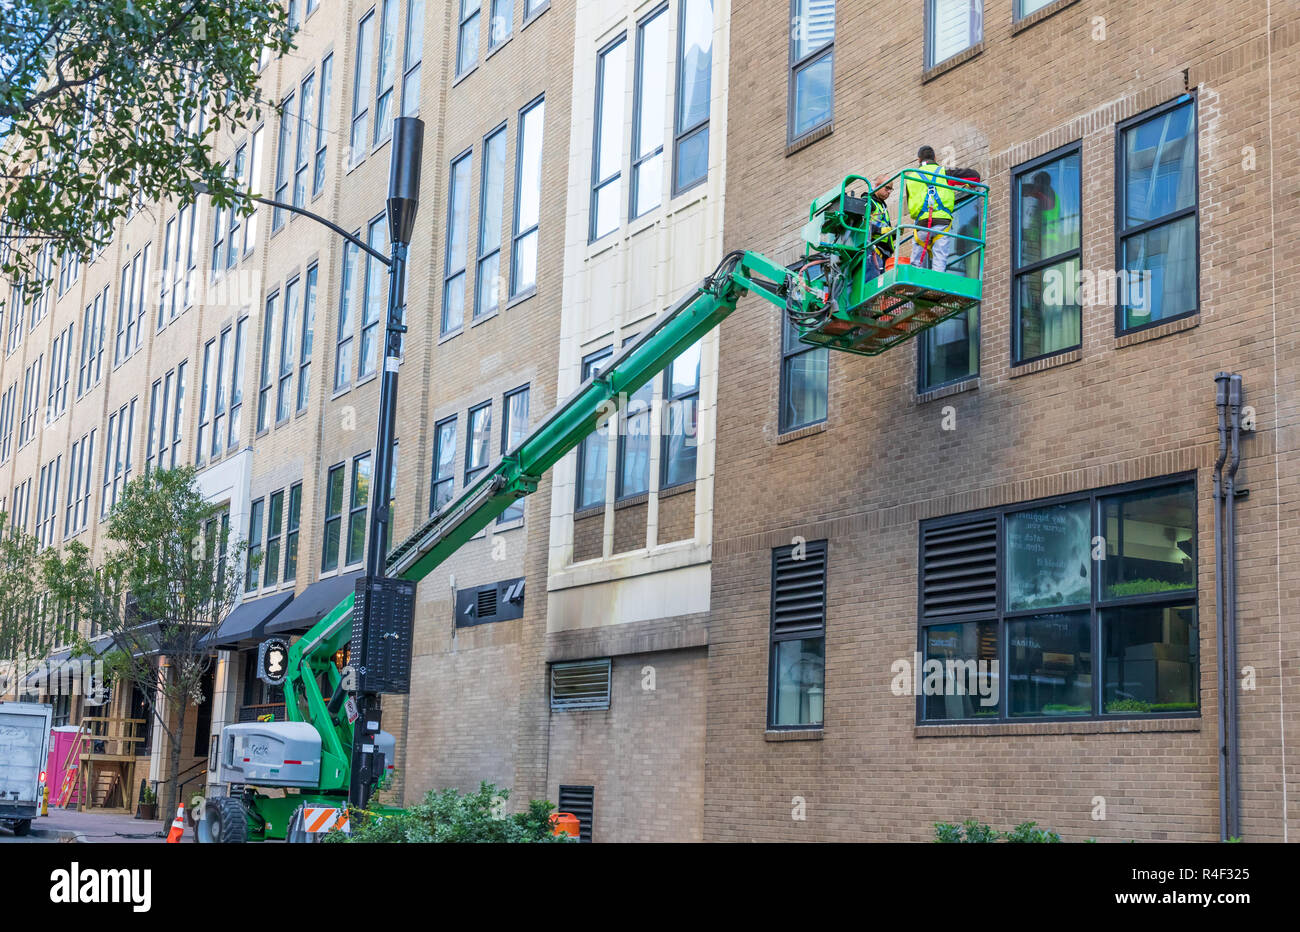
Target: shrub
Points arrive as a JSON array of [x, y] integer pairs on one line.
[[448, 816], [974, 832], [1029, 833]]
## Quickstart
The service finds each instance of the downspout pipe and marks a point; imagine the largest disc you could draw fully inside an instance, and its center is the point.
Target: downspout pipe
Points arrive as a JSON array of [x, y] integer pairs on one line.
[[1221, 403], [1230, 601]]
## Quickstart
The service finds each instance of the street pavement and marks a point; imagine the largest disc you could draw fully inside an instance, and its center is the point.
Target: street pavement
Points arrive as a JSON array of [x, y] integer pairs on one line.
[[66, 825]]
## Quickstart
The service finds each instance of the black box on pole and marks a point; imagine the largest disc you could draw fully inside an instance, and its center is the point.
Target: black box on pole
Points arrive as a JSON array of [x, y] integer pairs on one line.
[[381, 647]]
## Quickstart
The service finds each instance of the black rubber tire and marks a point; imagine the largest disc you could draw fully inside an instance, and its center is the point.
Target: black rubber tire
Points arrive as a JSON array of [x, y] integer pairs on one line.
[[23, 827], [224, 822]]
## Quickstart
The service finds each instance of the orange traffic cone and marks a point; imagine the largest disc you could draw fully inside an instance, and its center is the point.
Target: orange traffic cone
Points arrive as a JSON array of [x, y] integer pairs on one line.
[[178, 827]]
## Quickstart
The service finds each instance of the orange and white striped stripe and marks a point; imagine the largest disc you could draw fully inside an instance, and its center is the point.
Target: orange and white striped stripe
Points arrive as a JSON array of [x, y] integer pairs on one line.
[[324, 818]]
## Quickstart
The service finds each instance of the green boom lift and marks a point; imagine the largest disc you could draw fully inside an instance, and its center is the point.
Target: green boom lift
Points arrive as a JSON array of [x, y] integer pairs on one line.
[[832, 296]]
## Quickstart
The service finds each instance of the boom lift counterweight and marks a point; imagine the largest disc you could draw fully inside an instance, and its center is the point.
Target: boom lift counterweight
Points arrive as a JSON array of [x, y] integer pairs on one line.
[[832, 297]]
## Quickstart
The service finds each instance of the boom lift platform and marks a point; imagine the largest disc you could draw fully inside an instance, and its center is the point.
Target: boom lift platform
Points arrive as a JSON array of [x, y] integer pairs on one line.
[[833, 297]]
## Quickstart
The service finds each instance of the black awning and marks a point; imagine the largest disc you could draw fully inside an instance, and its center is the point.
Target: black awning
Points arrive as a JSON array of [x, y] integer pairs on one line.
[[314, 604], [247, 622]]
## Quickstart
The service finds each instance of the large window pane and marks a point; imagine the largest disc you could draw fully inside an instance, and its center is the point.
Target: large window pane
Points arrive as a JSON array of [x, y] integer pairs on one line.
[[805, 373], [606, 174], [955, 25], [593, 453], [813, 95], [528, 181], [1162, 273], [1048, 200], [1048, 557], [681, 429], [491, 205], [1047, 310], [453, 296], [968, 653], [799, 681], [1150, 542], [1159, 167], [950, 350], [650, 116], [1050, 666], [1152, 660], [694, 71]]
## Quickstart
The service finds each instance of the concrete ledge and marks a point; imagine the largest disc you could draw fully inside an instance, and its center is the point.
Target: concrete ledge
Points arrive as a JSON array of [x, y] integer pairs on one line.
[[794, 734], [637, 637], [1158, 331], [1092, 727]]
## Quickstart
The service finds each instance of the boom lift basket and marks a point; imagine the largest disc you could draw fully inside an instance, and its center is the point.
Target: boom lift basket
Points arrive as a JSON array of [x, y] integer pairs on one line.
[[871, 313]]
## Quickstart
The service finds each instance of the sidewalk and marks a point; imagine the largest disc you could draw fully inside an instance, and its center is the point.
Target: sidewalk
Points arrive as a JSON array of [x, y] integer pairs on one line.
[[72, 826]]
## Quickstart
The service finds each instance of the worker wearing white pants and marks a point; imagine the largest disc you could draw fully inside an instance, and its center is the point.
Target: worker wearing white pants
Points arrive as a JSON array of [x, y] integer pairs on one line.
[[931, 250]]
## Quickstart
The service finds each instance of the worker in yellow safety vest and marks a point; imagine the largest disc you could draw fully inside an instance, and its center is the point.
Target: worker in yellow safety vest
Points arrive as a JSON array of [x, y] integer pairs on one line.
[[881, 229], [929, 204]]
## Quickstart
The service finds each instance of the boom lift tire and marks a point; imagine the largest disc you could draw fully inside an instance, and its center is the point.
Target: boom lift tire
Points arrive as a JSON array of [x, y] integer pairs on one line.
[[224, 822], [22, 827]]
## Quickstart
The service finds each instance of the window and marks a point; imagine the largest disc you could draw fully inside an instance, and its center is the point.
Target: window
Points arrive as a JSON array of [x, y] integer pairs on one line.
[[648, 117], [584, 684], [1024, 7], [514, 427], [387, 67], [308, 334], [303, 150], [633, 471], [284, 155], [607, 149], [322, 123], [80, 466], [528, 198], [805, 381], [236, 384], [412, 57], [207, 391], [492, 195], [179, 263], [255, 516], [453, 287], [1070, 636], [503, 15], [1158, 217], [682, 409], [593, 452], [288, 331], [343, 350], [376, 297], [218, 239], [8, 401], [56, 398], [31, 402], [166, 404], [130, 306], [478, 442], [265, 380], [274, 534], [952, 26], [467, 36], [361, 87], [69, 268], [92, 343], [444, 464], [117, 455], [694, 74], [22, 503], [812, 66], [17, 299], [359, 499], [949, 352], [291, 532], [797, 658], [224, 362], [533, 7], [333, 518], [47, 495], [236, 238], [1046, 255]]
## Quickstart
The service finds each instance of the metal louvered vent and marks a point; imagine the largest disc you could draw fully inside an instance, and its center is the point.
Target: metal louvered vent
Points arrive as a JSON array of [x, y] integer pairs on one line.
[[799, 589], [581, 801], [959, 566], [580, 685], [487, 603]]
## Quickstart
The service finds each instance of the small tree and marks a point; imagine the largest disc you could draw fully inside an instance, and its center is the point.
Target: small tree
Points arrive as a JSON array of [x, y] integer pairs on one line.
[[25, 632], [168, 579]]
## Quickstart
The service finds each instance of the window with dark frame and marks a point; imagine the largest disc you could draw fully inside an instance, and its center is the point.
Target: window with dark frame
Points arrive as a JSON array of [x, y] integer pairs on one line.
[[949, 352], [224, 361], [207, 389], [478, 441], [528, 198], [444, 464], [284, 158], [308, 335], [303, 150], [805, 381], [1046, 255], [274, 536], [1025, 7], [333, 530], [265, 381], [374, 298], [694, 90], [811, 102], [255, 515], [1073, 637], [292, 527], [514, 427], [345, 332], [387, 71], [322, 123], [492, 197], [632, 469], [1158, 217], [289, 334], [681, 419], [502, 22], [362, 76], [951, 27], [593, 451], [607, 148], [412, 57], [797, 655], [358, 503], [236, 382], [453, 287], [650, 91], [467, 36]]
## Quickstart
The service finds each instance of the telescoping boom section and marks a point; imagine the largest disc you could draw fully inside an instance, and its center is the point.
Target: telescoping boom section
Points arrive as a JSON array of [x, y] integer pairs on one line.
[[845, 294]]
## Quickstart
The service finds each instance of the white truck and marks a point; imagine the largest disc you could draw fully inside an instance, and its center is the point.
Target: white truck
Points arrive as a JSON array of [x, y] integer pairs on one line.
[[24, 749]]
